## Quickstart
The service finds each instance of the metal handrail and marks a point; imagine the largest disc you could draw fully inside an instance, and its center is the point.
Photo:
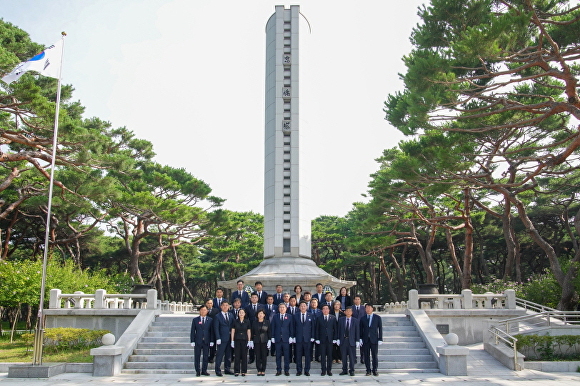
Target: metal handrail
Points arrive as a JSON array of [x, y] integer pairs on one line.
[[533, 306], [509, 340]]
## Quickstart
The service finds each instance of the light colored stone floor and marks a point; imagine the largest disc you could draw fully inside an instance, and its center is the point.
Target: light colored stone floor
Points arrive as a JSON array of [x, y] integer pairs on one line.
[[482, 370]]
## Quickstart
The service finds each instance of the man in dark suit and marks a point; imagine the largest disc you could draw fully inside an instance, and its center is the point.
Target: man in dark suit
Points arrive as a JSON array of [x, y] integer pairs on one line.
[[270, 307], [262, 295], [325, 335], [327, 301], [371, 327], [278, 296], [212, 312], [241, 294], [348, 340], [251, 312], [358, 311], [223, 323], [237, 306], [319, 295], [282, 333], [201, 338], [315, 312], [304, 325], [219, 298]]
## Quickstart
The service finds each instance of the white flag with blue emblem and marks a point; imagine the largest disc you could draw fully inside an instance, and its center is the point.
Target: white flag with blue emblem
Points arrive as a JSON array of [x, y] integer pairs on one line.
[[46, 63]]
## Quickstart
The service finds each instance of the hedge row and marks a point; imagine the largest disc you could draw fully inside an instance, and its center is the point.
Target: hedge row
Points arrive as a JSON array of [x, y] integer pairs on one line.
[[547, 347], [56, 339]]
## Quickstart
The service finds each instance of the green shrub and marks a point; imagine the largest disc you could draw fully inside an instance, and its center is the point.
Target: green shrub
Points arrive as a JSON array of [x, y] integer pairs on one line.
[[56, 339], [547, 347]]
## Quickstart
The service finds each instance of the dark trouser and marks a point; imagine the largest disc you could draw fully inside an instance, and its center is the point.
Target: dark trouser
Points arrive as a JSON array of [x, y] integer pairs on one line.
[[261, 352], [282, 348], [302, 349], [348, 352], [326, 356], [371, 348], [316, 352], [200, 351], [212, 350], [336, 354], [224, 352], [240, 356]]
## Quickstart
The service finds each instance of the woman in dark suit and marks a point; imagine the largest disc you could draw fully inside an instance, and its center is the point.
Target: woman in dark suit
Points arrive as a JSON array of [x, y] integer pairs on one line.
[[344, 299], [337, 312], [241, 340], [261, 336]]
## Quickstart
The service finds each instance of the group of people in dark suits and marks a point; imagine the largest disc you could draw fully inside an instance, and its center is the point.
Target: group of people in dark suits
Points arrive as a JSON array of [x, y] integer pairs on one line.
[[295, 329]]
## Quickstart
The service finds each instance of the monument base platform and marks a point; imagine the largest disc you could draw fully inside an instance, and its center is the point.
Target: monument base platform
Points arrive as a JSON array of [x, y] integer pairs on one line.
[[288, 271]]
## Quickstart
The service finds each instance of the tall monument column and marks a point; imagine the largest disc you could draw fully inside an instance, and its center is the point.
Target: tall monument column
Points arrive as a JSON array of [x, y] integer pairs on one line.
[[287, 250], [286, 232]]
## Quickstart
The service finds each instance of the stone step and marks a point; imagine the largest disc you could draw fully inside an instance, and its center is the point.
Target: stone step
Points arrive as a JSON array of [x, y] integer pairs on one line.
[[169, 334], [164, 351], [161, 358], [270, 372], [165, 346], [402, 333], [400, 328], [159, 366], [166, 339], [398, 339], [401, 345]]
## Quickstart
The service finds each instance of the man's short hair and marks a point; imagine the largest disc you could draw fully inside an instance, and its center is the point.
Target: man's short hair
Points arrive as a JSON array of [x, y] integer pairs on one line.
[[281, 305], [219, 289], [258, 282], [357, 296], [370, 305], [254, 293], [270, 296], [237, 300], [278, 285], [325, 305], [307, 293], [302, 302], [240, 281], [348, 308], [318, 284], [225, 302], [202, 306]]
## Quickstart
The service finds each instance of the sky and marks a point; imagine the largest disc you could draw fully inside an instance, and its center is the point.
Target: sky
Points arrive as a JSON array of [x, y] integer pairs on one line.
[[188, 75]]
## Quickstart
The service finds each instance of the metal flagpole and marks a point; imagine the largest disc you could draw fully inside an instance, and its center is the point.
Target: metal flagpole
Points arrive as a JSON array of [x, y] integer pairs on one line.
[[39, 332]]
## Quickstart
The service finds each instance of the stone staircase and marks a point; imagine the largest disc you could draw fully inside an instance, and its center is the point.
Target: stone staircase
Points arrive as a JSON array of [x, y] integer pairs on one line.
[[403, 349], [165, 349]]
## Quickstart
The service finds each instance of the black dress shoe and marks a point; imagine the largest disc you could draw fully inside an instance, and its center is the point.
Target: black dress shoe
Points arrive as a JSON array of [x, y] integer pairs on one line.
[[286, 373], [368, 373], [307, 373], [243, 374], [228, 372], [322, 374], [278, 373], [352, 373], [344, 373], [251, 361], [375, 373], [210, 361], [218, 374], [298, 373], [197, 373], [205, 373], [329, 373]]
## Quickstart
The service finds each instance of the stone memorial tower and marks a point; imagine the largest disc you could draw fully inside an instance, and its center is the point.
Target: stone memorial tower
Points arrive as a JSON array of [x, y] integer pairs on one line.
[[287, 250]]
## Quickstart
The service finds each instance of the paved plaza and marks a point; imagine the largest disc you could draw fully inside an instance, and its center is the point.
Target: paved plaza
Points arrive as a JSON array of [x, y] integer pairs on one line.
[[482, 369]]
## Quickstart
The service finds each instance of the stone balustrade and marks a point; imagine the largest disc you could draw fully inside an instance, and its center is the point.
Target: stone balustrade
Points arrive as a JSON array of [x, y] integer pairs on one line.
[[466, 300]]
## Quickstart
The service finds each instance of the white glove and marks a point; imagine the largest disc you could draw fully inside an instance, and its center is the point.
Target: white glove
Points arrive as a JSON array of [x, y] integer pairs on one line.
[[311, 340], [232, 344], [273, 340], [317, 342], [334, 342], [192, 344], [250, 344], [361, 342], [218, 342], [292, 340], [211, 344], [268, 345], [338, 342], [380, 342], [357, 344]]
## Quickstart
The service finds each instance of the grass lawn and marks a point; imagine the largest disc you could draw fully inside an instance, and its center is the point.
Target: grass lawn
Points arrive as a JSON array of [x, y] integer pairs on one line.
[[17, 352]]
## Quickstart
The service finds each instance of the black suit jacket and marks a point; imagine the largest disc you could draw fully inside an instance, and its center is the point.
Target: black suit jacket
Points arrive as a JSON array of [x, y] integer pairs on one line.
[[371, 334], [201, 333], [261, 332], [326, 331]]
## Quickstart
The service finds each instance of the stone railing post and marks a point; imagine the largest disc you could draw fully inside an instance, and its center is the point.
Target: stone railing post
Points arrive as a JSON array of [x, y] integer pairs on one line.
[[467, 298], [452, 358], [54, 301], [79, 302], [413, 303], [100, 302], [107, 359], [510, 299], [151, 299]]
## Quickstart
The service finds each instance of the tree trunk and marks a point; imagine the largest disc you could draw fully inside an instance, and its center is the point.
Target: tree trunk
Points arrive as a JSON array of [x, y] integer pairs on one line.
[[398, 274], [468, 254], [180, 272], [389, 279]]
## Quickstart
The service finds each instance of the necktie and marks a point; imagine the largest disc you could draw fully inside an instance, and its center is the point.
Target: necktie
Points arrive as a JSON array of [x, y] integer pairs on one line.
[[202, 320], [281, 317], [326, 318], [254, 308], [370, 319], [226, 317], [347, 323], [303, 318]]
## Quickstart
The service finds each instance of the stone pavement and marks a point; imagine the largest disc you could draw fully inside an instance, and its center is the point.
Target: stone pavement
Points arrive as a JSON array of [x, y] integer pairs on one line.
[[482, 370]]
